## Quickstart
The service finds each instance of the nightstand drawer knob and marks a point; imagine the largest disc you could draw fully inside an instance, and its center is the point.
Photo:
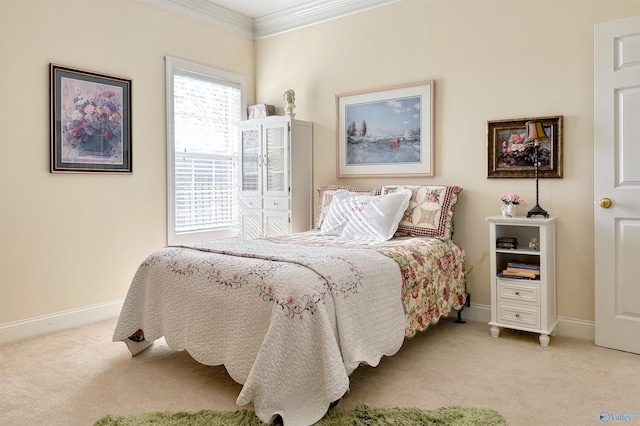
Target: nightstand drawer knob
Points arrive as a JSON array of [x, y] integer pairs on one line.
[[517, 293], [517, 315]]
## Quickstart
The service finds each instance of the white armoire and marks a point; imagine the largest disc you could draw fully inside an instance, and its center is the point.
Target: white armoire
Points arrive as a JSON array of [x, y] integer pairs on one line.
[[276, 171]]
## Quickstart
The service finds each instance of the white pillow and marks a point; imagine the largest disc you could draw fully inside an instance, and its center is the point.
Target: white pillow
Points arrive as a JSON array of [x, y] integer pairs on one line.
[[365, 217]]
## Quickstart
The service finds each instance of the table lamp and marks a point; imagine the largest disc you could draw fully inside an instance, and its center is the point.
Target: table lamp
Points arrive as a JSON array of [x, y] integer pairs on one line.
[[536, 134]]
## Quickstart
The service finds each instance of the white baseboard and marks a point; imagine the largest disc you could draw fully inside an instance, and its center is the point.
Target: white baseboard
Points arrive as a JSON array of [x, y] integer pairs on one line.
[[580, 329], [568, 327], [37, 326], [33, 327], [480, 313]]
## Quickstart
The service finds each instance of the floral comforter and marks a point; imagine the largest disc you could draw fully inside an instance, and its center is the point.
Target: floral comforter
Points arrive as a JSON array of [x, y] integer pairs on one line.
[[291, 317], [433, 273]]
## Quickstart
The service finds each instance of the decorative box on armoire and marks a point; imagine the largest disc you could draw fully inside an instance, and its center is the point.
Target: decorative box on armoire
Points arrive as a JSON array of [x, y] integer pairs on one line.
[[523, 275], [276, 166]]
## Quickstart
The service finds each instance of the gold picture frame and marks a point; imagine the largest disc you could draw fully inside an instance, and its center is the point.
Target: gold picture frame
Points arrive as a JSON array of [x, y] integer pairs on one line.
[[511, 156]]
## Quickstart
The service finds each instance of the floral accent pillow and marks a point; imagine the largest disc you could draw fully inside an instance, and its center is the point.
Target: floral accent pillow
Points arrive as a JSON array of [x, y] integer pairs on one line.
[[430, 211], [326, 195], [365, 217]]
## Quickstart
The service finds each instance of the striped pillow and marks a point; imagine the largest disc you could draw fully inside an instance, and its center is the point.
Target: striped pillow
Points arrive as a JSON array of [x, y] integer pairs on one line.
[[365, 217], [326, 195]]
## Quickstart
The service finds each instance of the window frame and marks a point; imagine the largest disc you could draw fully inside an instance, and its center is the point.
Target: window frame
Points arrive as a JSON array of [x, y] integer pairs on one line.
[[172, 65]]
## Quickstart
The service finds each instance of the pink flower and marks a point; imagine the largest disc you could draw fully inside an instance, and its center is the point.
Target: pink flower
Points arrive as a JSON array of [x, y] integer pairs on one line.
[[443, 263], [516, 138], [414, 292], [432, 196], [511, 199], [422, 321], [77, 132]]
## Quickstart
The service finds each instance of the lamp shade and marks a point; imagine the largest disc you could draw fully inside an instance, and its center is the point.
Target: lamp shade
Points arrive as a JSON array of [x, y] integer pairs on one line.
[[535, 131]]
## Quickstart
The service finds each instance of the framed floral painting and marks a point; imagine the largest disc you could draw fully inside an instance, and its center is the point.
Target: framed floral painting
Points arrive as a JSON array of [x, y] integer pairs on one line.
[[90, 121], [511, 156]]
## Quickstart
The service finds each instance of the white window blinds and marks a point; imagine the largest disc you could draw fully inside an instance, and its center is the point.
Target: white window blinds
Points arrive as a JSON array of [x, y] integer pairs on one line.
[[203, 191]]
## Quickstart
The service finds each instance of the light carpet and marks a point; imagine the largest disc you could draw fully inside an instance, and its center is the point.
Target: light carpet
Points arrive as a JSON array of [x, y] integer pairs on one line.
[[74, 377]]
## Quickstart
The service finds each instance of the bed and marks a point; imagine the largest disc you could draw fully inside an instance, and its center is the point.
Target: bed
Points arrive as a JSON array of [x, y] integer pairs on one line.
[[291, 317]]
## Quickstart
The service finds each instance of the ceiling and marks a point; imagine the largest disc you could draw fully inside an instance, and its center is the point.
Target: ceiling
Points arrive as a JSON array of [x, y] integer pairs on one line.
[[258, 8], [263, 18]]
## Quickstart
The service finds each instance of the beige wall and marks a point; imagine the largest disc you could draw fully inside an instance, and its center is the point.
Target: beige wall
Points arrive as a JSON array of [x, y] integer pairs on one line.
[[479, 53], [74, 240]]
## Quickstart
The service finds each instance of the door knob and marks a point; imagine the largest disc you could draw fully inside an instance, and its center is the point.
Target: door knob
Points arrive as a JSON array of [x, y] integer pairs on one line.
[[605, 203]]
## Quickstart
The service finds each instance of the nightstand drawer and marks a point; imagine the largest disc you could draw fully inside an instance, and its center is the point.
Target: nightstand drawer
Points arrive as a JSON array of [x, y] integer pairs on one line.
[[519, 315], [519, 292]]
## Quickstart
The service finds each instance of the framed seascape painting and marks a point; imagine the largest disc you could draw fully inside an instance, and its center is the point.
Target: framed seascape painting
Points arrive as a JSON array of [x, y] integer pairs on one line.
[[511, 156], [90, 121], [386, 132]]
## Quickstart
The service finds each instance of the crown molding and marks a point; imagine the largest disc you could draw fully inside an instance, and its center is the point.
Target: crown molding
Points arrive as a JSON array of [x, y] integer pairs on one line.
[[310, 13], [207, 13]]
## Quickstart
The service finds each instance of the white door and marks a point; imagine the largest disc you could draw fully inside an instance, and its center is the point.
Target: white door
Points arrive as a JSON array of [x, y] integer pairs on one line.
[[617, 178]]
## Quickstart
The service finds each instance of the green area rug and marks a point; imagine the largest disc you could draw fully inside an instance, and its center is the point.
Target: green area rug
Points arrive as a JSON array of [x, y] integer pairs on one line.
[[360, 416]]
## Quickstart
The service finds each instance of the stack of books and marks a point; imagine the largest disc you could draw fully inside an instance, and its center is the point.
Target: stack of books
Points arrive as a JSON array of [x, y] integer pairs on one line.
[[521, 271]]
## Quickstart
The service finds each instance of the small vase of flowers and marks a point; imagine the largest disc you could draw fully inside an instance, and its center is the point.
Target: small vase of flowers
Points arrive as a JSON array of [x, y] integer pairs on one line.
[[509, 203]]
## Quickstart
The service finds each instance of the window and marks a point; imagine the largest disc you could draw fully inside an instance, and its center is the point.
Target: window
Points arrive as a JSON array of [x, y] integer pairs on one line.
[[203, 108]]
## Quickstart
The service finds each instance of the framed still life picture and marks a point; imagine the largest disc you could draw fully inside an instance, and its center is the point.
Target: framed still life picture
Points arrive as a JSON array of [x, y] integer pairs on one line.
[[510, 155], [386, 132], [90, 121]]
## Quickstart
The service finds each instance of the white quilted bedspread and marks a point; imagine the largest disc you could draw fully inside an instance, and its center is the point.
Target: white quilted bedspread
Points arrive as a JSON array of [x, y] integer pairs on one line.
[[289, 322]]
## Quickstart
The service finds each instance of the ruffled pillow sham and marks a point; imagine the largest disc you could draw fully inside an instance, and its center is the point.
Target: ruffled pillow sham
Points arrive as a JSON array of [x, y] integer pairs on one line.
[[430, 211]]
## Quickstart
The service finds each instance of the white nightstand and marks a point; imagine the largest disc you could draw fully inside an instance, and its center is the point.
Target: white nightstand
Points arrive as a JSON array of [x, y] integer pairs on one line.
[[522, 303]]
